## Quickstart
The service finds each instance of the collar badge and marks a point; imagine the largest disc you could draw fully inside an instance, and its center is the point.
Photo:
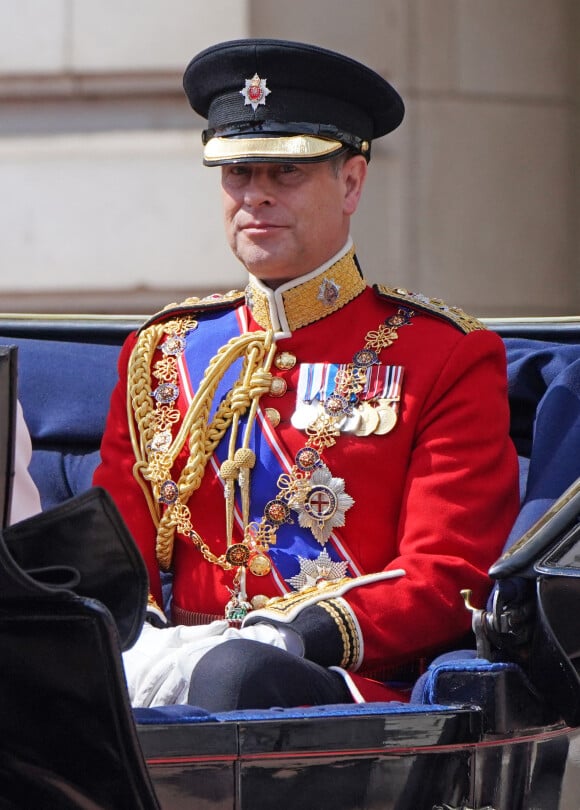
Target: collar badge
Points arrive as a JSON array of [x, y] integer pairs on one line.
[[328, 292], [255, 92]]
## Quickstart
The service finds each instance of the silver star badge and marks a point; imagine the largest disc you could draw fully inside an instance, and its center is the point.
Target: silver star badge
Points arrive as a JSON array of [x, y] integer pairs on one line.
[[255, 92], [321, 505], [322, 569]]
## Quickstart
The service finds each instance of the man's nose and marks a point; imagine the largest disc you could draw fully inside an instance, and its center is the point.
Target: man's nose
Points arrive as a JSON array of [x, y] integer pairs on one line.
[[259, 190]]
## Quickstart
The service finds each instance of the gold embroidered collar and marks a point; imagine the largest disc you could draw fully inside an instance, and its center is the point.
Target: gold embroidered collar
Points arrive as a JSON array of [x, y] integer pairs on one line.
[[309, 298]]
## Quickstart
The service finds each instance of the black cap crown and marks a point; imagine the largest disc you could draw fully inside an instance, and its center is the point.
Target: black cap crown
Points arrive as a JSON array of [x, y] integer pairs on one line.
[[270, 99]]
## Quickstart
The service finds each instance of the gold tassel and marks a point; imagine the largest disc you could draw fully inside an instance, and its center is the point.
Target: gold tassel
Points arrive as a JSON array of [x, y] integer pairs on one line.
[[244, 459]]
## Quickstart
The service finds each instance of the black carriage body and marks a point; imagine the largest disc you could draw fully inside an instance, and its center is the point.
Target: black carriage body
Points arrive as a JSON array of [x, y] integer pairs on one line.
[[416, 761], [478, 736]]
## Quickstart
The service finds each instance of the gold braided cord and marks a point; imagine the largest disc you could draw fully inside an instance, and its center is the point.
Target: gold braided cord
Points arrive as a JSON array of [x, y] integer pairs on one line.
[[139, 407], [259, 384], [199, 451], [204, 437], [252, 347], [244, 458], [242, 403], [139, 385], [254, 381], [153, 465], [204, 396]]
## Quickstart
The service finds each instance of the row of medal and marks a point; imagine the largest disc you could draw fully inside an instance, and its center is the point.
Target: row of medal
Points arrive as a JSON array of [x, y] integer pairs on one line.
[[373, 410]]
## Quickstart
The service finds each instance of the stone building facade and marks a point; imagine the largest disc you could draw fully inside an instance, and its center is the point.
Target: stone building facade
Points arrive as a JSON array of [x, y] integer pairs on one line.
[[105, 206]]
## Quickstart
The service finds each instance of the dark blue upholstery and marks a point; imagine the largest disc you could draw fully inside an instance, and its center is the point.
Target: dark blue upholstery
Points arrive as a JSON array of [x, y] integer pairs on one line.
[[501, 689], [64, 388], [170, 715], [544, 392], [425, 690]]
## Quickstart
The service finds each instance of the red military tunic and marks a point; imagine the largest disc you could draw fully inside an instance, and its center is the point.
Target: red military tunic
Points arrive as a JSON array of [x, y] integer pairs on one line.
[[434, 498]]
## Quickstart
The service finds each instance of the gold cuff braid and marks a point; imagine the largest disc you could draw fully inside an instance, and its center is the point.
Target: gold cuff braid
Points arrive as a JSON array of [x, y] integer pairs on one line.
[[341, 616]]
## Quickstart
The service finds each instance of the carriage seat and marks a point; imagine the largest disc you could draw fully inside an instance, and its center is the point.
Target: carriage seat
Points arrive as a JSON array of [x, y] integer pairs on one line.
[[65, 383]]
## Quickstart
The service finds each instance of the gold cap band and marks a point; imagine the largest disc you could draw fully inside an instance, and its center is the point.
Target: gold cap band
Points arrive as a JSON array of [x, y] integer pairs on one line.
[[286, 147]]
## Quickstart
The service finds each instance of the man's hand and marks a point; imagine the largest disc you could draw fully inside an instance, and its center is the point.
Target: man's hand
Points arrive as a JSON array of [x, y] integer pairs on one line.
[[158, 667]]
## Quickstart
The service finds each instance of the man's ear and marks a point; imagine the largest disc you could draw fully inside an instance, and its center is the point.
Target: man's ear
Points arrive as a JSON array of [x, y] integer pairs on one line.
[[354, 173]]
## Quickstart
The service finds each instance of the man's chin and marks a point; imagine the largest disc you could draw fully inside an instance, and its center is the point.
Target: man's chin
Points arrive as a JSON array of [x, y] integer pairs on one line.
[[270, 278], [264, 266]]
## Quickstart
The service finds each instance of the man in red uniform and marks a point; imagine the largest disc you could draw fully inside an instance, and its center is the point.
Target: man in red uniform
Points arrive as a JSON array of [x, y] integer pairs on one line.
[[322, 466]]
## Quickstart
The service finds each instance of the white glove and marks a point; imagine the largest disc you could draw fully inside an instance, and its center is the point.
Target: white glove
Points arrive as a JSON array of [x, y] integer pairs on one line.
[[158, 667]]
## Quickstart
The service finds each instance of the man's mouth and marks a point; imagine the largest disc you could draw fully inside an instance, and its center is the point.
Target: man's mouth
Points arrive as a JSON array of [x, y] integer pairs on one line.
[[260, 226]]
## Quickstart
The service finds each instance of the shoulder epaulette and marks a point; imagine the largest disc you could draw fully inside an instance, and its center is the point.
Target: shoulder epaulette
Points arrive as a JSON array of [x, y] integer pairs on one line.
[[435, 306], [194, 306]]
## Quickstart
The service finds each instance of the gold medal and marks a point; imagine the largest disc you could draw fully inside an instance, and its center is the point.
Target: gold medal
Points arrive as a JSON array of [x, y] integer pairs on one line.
[[369, 420], [387, 418], [259, 564]]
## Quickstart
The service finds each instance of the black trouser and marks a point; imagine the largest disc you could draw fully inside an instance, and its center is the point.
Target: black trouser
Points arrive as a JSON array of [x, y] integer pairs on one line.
[[244, 674]]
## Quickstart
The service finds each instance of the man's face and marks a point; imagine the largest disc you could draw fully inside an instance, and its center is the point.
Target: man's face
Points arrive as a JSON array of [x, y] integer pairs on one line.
[[284, 220]]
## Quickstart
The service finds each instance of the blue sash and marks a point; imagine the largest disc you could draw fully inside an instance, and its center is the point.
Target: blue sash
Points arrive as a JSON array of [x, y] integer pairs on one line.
[[293, 542]]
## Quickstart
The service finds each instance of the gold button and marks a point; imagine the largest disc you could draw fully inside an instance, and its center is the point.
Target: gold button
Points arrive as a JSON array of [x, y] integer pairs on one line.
[[278, 387], [285, 361], [273, 416], [259, 601]]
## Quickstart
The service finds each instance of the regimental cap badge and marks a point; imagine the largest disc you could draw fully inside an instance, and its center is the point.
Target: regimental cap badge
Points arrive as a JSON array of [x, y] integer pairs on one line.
[[255, 92]]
